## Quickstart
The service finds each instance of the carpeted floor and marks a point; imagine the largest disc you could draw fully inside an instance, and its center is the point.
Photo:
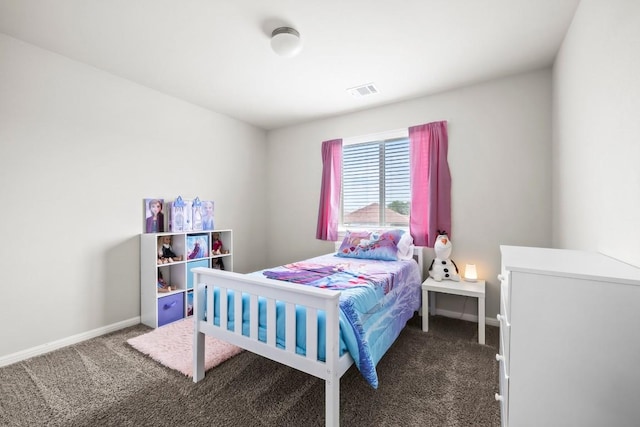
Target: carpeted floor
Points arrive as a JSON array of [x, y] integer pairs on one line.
[[440, 378]]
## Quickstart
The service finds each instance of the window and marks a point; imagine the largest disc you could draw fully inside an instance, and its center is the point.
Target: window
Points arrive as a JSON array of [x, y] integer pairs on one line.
[[375, 174], [394, 176]]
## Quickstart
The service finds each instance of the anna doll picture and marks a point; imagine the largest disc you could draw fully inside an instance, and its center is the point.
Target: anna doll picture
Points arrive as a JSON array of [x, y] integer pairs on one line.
[[155, 216]]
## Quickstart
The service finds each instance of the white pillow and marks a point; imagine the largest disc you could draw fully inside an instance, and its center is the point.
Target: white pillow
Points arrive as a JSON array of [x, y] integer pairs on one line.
[[405, 246]]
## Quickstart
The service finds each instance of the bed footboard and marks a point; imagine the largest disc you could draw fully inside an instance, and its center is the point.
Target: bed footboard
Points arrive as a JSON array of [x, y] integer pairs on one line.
[[252, 289]]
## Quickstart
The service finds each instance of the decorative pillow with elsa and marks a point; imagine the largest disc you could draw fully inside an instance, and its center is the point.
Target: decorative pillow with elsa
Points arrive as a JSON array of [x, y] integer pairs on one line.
[[380, 245]]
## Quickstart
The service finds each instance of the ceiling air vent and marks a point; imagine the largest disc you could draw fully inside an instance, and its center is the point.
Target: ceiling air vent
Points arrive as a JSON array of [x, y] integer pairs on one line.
[[364, 90]]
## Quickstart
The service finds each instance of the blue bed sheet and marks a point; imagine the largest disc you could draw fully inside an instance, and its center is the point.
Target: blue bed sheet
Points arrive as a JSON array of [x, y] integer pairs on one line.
[[377, 298]]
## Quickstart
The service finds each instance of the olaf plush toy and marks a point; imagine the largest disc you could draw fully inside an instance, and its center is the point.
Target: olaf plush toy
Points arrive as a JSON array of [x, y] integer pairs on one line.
[[442, 267]]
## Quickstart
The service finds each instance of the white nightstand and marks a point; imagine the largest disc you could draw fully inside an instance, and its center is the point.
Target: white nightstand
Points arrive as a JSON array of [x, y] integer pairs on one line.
[[471, 289]]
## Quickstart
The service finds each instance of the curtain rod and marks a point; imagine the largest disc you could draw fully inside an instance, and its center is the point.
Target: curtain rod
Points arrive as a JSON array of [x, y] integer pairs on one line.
[[377, 136]]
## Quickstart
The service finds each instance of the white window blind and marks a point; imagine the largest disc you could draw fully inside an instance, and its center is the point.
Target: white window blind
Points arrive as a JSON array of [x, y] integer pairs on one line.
[[375, 183]]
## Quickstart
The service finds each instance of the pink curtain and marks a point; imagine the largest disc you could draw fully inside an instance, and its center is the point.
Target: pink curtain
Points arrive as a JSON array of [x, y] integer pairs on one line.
[[430, 183], [329, 210]]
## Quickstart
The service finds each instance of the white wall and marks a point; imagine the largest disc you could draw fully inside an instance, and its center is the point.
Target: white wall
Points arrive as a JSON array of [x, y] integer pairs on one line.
[[499, 156], [596, 155], [79, 150]]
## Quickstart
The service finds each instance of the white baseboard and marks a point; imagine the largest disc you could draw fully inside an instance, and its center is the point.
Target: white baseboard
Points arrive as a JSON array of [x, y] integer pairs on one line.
[[465, 316], [46, 348]]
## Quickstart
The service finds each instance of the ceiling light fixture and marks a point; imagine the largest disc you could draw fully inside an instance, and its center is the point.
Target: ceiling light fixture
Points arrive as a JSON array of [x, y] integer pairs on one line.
[[285, 41]]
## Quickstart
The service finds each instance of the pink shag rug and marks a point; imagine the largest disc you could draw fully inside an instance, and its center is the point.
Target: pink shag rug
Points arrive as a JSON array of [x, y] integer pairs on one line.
[[172, 345]]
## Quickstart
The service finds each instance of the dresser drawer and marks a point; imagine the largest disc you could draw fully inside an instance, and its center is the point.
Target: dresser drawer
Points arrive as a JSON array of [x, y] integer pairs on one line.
[[170, 308]]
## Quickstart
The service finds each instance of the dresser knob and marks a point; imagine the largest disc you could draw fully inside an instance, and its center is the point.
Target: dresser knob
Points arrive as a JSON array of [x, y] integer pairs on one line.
[[498, 397], [499, 317], [499, 357], [500, 277]]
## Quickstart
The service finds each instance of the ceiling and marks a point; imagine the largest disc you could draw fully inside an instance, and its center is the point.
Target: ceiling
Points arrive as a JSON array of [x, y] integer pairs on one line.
[[216, 53]]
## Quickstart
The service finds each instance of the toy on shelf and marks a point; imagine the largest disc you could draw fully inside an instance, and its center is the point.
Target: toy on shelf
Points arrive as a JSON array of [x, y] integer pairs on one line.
[[162, 285], [217, 264], [155, 217], [165, 251], [216, 245], [442, 267], [216, 249], [196, 214], [180, 215]]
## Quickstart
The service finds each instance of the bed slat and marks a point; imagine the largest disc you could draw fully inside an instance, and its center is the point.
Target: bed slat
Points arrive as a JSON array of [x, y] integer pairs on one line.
[[237, 312], [312, 333], [223, 308], [253, 317], [271, 322], [290, 322]]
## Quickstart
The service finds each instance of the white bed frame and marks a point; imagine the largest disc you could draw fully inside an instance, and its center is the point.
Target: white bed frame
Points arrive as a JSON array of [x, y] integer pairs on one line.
[[291, 295]]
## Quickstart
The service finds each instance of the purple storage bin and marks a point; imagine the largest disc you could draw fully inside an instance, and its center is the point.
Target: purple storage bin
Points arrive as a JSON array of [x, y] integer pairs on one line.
[[170, 308]]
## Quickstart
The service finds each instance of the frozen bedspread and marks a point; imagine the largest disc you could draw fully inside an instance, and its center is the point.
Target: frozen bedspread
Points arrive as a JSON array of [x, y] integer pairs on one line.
[[377, 298]]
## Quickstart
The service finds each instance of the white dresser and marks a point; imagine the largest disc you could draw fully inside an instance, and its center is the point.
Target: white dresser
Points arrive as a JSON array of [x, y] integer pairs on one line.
[[569, 339]]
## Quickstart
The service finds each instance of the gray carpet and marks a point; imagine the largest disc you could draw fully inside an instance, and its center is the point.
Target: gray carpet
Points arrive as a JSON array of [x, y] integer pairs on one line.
[[440, 378]]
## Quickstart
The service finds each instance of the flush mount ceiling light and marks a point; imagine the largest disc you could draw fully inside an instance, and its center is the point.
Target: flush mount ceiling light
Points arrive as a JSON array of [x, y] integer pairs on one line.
[[285, 41]]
